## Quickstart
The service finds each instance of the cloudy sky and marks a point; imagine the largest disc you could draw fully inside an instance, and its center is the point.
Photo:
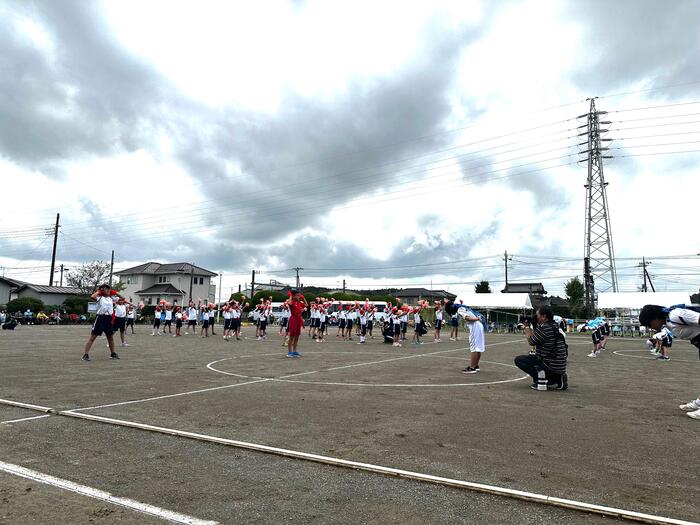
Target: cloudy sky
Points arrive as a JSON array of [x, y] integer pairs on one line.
[[378, 142]]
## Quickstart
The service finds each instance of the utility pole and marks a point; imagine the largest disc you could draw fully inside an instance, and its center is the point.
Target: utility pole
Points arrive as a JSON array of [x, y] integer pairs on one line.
[[191, 279], [505, 260], [53, 255], [343, 285], [296, 269], [599, 255], [62, 268], [645, 274], [252, 287], [111, 269], [219, 301]]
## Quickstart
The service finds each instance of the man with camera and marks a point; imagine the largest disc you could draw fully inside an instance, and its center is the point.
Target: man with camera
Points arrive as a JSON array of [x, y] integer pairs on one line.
[[551, 351]]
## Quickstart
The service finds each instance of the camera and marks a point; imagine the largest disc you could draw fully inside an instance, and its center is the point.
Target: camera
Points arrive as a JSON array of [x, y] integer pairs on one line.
[[526, 320]]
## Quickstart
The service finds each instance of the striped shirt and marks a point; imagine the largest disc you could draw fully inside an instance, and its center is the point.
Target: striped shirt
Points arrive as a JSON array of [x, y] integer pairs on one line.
[[550, 346]]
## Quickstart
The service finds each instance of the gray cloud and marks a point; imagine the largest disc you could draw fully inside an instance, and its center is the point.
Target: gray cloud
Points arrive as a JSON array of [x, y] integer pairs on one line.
[[634, 40], [87, 98]]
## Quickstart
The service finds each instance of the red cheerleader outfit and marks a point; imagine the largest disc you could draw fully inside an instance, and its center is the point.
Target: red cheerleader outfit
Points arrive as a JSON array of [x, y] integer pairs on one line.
[[296, 323]]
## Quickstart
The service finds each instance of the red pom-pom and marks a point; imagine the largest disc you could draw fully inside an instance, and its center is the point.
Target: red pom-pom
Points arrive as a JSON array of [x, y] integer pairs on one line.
[[112, 292]]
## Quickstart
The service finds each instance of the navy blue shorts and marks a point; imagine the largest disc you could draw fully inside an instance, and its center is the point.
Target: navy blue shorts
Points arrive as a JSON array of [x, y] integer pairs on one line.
[[103, 325]]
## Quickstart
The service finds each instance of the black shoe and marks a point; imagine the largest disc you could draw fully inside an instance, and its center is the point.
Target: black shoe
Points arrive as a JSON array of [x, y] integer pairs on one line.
[[85, 357], [562, 383], [113, 355], [470, 370]]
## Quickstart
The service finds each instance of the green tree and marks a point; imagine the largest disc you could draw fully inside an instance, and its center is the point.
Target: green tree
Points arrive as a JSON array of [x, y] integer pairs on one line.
[[482, 287], [575, 293], [22, 303], [89, 276], [76, 304]]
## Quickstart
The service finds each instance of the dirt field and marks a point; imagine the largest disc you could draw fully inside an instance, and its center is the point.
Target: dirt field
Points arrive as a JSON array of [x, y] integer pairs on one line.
[[615, 438]]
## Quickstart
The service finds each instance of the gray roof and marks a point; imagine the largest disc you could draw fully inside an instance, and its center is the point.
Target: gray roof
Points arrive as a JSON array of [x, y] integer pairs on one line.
[[154, 268], [161, 289], [66, 290], [424, 292], [12, 282], [524, 288]]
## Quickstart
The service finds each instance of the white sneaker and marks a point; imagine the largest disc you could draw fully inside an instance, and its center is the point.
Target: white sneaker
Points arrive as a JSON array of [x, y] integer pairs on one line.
[[592, 354], [125, 344], [695, 414], [692, 406]]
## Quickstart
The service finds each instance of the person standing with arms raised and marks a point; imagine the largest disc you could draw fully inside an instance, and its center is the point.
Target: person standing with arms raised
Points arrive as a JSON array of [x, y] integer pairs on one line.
[[104, 297], [297, 304]]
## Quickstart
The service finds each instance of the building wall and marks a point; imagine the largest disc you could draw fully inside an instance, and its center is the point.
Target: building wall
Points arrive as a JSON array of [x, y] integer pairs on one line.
[[5, 292], [46, 298], [206, 291]]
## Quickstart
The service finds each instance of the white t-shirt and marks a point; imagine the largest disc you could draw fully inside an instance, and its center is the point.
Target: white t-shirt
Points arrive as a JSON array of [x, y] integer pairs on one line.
[[211, 314], [192, 314], [683, 323], [120, 310], [131, 314], [227, 314], [438, 315], [105, 305], [416, 318], [168, 315], [235, 314]]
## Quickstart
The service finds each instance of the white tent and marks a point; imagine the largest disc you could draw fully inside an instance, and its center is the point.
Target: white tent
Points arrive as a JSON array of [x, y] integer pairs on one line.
[[636, 300], [493, 301]]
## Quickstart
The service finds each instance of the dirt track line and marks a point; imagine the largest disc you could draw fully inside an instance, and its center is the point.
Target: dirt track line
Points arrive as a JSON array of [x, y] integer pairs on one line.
[[91, 492], [368, 467]]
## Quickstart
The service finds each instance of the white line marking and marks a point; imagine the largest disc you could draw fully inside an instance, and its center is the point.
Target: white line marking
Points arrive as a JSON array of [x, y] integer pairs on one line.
[[651, 357], [173, 395], [285, 379], [23, 419], [101, 495], [39, 408], [327, 460]]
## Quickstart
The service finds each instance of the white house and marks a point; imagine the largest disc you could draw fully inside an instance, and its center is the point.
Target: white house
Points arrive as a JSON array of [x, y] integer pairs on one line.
[[47, 294], [152, 282]]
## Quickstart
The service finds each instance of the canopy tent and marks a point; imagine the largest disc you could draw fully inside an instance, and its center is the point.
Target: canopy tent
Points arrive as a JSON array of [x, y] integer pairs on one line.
[[636, 300], [488, 301]]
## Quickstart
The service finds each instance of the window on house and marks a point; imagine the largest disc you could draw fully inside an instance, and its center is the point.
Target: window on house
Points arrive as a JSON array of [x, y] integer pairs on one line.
[[128, 280], [201, 280], [150, 300]]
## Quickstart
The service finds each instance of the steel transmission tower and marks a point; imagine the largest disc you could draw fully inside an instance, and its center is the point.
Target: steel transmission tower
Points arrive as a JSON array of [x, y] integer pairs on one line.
[[599, 258]]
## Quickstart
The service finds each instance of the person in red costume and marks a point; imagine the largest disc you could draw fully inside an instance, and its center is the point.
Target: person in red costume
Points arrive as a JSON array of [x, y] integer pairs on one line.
[[297, 304]]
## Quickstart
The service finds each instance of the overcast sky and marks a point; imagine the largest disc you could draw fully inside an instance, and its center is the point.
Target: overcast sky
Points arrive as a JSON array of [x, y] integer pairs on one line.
[[380, 142]]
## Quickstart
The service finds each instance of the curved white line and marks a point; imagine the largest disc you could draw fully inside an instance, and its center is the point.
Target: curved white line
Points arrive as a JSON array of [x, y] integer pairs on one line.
[[651, 358]]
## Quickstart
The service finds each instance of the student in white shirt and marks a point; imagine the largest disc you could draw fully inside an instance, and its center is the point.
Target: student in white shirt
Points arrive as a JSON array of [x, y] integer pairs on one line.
[[168, 319], [130, 317], [438, 320], [476, 342], [104, 297], [191, 319], [120, 320], [178, 321], [212, 319]]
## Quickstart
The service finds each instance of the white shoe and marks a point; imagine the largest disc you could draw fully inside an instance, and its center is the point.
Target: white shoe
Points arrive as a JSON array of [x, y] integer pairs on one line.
[[187, 333], [692, 406], [593, 354], [125, 344], [695, 414]]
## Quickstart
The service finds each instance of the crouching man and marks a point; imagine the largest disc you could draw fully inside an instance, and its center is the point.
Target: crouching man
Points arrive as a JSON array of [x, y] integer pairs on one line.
[[551, 351]]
